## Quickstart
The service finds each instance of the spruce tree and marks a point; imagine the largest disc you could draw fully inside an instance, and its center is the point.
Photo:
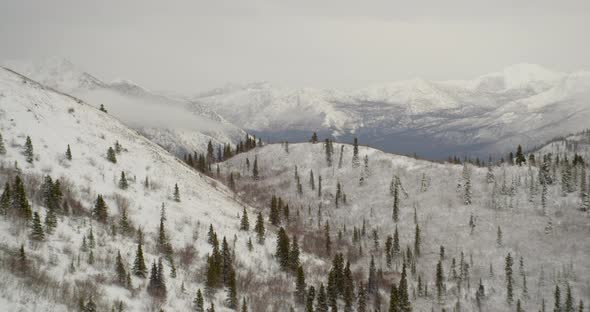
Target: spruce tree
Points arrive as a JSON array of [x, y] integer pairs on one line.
[[396, 201], [111, 155], [37, 233], [520, 159], [509, 280], [259, 229], [439, 280], [282, 249], [362, 300], [322, 304], [355, 154], [320, 186], [69, 153], [394, 303], [557, 299], [310, 299], [100, 209], [123, 184], [2, 147], [417, 241], [311, 180], [120, 270], [314, 138], [20, 201], [244, 223], [300, 286], [294, 255], [5, 199], [232, 295], [569, 300], [139, 268], [176, 193], [199, 302], [29, 153], [255, 168], [22, 263], [372, 286]]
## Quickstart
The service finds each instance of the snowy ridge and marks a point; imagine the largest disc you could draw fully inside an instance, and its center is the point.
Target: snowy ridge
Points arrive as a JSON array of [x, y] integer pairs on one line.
[[187, 129], [53, 121]]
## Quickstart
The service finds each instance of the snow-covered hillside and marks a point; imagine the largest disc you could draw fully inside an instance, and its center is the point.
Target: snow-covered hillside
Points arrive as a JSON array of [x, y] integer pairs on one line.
[[54, 121], [522, 104], [570, 146], [167, 120], [549, 235]]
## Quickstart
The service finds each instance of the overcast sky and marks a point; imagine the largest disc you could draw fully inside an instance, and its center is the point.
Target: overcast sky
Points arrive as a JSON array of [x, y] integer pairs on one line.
[[188, 46]]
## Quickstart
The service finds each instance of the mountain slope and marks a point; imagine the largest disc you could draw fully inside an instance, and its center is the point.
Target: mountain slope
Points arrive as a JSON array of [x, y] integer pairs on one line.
[[169, 121], [549, 238], [522, 104], [53, 121]]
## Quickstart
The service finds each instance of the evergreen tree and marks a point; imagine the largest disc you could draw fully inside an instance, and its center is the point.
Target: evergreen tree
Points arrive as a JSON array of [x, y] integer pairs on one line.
[[69, 153], [314, 138], [310, 299], [322, 304], [120, 270], [479, 295], [362, 300], [259, 229], [328, 149], [29, 153], [255, 168], [327, 238], [372, 287], [294, 263], [176, 193], [123, 184], [199, 302], [320, 186], [520, 159], [20, 201], [396, 201], [311, 180], [518, 304], [300, 286], [417, 241], [5, 199], [22, 263], [499, 237], [2, 147], [388, 251], [509, 280], [355, 154], [282, 249], [244, 223], [440, 280], [37, 228], [394, 304], [232, 295], [139, 268], [569, 300], [100, 209], [403, 294], [111, 155], [557, 300], [396, 248]]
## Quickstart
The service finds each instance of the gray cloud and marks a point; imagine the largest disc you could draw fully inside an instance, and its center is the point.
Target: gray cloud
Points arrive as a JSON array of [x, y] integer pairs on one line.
[[195, 45]]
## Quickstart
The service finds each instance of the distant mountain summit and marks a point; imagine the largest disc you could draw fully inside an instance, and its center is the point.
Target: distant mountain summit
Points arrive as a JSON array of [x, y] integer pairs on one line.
[[520, 104]]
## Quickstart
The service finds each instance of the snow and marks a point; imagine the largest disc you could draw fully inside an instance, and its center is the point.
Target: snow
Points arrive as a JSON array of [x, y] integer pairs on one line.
[[53, 121], [443, 218]]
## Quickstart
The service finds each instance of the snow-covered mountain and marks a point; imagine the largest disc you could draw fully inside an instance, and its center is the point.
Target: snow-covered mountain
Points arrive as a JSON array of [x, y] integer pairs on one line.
[[479, 215], [522, 104], [169, 121], [54, 121]]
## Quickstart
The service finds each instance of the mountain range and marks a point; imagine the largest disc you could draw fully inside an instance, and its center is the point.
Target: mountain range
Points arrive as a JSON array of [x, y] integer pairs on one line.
[[489, 115]]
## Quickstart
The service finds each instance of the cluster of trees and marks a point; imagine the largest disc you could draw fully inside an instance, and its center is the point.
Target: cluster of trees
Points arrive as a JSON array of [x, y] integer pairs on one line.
[[204, 161]]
